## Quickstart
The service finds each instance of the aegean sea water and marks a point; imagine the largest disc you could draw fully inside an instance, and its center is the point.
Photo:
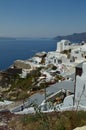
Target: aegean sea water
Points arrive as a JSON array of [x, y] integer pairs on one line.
[[11, 50]]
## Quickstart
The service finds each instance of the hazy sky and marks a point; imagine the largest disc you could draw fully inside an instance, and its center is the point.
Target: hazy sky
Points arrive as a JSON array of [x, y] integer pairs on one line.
[[42, 18]]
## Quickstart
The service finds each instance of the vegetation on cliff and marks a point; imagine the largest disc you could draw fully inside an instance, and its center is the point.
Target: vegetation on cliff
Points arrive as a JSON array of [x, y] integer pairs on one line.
[[52, 121]]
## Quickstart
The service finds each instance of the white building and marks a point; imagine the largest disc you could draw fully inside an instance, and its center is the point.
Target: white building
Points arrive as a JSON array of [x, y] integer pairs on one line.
[[79, 52], [36, 60], [63, 45], [77, 101], [55, 58], [80, 91], [76, 53]]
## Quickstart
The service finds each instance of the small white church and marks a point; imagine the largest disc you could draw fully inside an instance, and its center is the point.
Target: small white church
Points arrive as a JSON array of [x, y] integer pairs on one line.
[[63, 45]]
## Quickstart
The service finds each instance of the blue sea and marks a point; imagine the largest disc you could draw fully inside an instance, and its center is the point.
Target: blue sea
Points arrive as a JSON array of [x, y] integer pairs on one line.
[[11, 50]]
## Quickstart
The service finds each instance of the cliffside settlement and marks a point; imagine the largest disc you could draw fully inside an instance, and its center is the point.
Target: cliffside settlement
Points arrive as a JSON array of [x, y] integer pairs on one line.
[[53, 80]]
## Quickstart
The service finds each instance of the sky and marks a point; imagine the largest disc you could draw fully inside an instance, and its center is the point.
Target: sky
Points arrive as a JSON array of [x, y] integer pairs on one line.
[[42, 18]]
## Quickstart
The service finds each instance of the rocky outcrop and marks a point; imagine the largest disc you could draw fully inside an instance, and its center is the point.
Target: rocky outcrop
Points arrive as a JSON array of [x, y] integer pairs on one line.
[[22, 64]]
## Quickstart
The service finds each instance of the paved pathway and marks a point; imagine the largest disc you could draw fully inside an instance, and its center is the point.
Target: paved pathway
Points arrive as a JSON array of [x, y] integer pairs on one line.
[[38, 97]]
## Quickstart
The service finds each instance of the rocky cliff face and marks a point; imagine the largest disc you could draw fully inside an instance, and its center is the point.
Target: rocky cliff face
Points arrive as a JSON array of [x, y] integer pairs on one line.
[[22, 64]]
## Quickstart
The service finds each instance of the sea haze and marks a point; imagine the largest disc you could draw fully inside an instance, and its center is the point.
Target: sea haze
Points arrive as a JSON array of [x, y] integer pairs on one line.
[[11, 50]]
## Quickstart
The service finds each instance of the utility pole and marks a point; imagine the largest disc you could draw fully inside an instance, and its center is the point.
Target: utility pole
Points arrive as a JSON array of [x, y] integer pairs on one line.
[[45, 106], [45, 93]]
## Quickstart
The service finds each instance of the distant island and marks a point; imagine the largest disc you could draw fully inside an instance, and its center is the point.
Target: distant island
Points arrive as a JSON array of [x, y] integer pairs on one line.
[[7, 38], [22, 38], [76, 37]]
